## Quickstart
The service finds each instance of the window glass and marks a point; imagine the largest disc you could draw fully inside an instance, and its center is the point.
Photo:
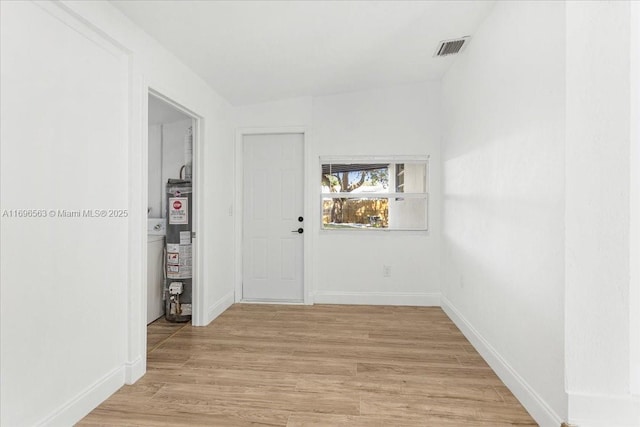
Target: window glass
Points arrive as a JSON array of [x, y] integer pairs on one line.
[[389, 195]]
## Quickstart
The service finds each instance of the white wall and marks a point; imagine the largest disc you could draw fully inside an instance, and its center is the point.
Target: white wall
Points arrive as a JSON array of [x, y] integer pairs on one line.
[[155, 67], [347, 267], [634, 177], [294, 112], [401, 120], [602, 150], [73, 137], [63, 279], [173, 154], [503, 192], [155, 190], [166, 157]]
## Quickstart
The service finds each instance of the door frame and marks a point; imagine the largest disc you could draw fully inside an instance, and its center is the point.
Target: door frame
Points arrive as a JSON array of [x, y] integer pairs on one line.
[[239, 209], [197, 175], [139, 200]]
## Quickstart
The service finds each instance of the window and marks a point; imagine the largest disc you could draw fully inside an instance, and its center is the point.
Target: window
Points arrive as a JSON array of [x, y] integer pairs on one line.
[[399, 179], [389, 193]]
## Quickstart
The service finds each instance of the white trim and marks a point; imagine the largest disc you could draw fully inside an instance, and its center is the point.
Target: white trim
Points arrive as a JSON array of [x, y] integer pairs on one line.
[[137, 287], [359, 159], [309, 219], [238, 190], [220, 306], [604, 411], [135, 363], [84, 402], [258, 302], [237, 220], [534, 403], [198, 291], [68, 16], [372, 195], [133, 371], [422, 299], [370, 231], [634, 224]]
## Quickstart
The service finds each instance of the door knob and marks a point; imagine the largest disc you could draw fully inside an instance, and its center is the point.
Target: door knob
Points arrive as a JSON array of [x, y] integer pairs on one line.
[[300, 219], [299, 230]]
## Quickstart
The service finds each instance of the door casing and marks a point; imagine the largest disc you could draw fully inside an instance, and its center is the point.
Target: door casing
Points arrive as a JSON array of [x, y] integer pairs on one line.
[[239, 208]]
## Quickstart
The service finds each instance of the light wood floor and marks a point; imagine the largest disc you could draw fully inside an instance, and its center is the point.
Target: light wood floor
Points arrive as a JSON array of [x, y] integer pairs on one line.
[[321, 365], [160, 330]]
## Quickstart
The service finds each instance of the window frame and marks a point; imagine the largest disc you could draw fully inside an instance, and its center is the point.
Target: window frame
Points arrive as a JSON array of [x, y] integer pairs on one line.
[[390, 196]]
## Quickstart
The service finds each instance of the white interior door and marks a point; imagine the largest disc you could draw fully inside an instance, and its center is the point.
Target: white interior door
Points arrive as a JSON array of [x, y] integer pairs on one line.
[[272, 247]]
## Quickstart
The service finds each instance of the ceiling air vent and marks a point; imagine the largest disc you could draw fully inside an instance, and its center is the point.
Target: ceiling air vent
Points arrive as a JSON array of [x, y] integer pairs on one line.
[[451, 47]]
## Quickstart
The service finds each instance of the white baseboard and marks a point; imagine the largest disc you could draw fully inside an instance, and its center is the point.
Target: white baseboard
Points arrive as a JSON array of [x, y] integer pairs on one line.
[[133, 371], [78, 407], [604, 411], [537, 407], [378, 298], [220, 306]]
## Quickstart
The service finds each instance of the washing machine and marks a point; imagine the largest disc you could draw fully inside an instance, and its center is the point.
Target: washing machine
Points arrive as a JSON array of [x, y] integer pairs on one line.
[[155, 279]]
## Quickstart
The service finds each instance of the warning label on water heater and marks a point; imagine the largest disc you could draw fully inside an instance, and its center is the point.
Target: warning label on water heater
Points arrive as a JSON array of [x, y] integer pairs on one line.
[[179, 261], [173, 258], [178, 210]]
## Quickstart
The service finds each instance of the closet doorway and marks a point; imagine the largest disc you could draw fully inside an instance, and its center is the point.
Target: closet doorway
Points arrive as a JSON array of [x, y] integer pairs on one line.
[[171, 218]]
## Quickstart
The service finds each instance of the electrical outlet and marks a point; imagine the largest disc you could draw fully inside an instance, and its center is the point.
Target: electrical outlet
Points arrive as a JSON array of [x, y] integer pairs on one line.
[[386, 271]]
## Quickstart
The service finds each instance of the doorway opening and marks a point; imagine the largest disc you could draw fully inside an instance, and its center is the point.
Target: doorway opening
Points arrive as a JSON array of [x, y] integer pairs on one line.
[[171, 218]]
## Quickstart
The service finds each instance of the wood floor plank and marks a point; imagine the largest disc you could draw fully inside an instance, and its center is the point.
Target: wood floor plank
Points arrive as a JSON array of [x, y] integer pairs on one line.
[[160, 414], [324, 420], [230, 397], [272, 363], [321, 365], [248, 379]]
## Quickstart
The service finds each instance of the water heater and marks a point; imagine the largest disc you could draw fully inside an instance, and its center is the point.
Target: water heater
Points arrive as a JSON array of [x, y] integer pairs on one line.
[[179, 251]]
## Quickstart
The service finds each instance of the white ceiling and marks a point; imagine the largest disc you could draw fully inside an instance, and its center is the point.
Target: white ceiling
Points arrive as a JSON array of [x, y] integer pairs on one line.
[[254, 51]]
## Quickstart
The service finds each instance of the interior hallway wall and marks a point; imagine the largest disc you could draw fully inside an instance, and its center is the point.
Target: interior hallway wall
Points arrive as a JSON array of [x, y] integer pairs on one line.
[[63, 328], [82, 75], [503, 199], [403, 120], [156, 67], [602, 283]]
